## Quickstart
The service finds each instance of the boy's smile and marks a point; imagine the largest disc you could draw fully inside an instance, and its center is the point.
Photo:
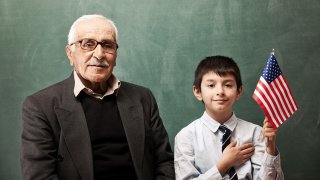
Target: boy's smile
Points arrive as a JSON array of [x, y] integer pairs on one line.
[[220, 101]]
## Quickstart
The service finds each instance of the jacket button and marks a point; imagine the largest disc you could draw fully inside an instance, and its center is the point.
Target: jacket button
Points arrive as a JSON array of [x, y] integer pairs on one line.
[[59, 158]]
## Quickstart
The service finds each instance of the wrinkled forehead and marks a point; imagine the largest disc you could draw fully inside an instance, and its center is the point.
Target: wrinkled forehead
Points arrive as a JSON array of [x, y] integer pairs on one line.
[[97, 28]]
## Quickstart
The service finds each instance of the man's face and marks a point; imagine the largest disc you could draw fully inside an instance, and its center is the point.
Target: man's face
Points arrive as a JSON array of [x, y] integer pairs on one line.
[[95, 66]]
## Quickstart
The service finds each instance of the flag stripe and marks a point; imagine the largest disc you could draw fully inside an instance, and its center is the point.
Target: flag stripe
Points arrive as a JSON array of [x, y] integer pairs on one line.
[[274, 100], [283, 107], [273, 94], [271, 99], [289, 94], [265, 107], [285, 96], [281, 97], [265, 95]]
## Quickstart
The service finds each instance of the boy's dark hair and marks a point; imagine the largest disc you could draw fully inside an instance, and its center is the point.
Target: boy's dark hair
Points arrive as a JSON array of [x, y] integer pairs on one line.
[[220, 65]]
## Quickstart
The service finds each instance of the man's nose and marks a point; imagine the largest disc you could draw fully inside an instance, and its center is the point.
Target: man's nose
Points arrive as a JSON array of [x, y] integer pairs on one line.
[[98, 52]]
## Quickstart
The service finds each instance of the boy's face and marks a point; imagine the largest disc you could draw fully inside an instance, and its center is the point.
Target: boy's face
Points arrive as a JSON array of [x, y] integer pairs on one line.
[[218, 94]]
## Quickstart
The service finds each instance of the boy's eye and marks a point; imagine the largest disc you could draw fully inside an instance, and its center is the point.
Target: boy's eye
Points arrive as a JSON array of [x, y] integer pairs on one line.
[[211, 85]]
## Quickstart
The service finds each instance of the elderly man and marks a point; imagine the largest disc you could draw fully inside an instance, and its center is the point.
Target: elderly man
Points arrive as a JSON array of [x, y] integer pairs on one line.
[[91, 125]]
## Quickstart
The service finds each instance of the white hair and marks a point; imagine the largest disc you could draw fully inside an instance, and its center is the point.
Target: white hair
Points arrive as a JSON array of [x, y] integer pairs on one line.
[[72, 32]]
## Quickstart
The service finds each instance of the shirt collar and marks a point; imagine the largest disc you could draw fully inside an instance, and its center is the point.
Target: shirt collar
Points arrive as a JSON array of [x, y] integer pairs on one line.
[[213, 125], [113, 86]]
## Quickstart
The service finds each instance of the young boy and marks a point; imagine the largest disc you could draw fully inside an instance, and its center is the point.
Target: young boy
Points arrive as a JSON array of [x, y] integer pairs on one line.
[[203, 149]]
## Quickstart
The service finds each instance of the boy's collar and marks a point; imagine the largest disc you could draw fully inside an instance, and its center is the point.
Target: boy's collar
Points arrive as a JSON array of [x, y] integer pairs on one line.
[[232, 122], [213, 125]]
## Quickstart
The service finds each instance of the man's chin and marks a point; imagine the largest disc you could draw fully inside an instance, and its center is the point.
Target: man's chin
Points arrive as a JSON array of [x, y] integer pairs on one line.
[[97, 78]]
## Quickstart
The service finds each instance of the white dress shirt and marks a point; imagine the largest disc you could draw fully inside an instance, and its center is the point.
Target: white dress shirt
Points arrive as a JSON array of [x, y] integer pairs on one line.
[[198, 149]]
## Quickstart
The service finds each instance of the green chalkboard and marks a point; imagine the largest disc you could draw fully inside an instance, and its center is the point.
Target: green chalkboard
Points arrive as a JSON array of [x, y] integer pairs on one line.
[[161, 42]]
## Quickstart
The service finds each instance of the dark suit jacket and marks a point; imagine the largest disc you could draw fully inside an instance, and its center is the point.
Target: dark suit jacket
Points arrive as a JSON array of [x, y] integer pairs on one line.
[[56, 143]]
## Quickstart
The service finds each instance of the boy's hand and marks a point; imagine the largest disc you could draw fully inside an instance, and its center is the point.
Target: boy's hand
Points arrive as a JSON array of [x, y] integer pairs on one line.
[[234, 155], [270, 135]]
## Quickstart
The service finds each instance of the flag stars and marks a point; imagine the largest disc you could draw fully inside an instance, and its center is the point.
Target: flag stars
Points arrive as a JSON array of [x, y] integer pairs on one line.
[[272, 70]]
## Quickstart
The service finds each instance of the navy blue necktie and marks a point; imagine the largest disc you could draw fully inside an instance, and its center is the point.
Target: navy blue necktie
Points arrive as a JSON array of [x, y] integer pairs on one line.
[[225, 142]]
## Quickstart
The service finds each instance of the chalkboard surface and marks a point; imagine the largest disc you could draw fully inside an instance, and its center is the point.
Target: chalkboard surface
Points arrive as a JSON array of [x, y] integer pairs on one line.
[[161, 42]]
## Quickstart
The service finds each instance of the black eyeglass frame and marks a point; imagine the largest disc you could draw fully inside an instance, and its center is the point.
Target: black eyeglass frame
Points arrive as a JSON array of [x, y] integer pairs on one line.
[[98, 42]]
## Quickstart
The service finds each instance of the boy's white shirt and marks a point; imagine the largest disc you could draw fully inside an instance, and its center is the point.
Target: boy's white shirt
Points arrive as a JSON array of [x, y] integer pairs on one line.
[[198, 149]]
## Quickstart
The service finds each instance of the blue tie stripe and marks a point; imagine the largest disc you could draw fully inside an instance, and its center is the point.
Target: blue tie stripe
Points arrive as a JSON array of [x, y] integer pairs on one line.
[[225, 142]]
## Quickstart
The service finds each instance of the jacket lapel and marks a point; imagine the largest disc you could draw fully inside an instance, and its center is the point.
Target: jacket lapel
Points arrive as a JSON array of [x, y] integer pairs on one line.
[[75, 131], [132, 118]]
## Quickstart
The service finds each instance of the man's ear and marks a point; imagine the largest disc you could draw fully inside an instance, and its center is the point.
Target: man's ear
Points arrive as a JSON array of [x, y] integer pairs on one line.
[[116, 56], [69, 54], [240, 91], [197, 93]]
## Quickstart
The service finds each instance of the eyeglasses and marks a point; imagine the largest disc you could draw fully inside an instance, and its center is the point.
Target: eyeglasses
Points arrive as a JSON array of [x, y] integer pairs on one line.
[[91, 44]]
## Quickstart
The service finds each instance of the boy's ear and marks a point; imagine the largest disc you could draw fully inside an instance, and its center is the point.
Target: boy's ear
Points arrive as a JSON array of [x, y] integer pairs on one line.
[[240, 91], [197, 93]]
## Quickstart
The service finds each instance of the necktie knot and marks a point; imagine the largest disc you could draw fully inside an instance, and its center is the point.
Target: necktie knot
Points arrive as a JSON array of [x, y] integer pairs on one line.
[[224, 129]]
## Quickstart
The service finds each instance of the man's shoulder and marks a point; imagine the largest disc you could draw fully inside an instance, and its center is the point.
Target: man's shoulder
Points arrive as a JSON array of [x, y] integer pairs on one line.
[[54, 89], [127, 86], [132, 85]]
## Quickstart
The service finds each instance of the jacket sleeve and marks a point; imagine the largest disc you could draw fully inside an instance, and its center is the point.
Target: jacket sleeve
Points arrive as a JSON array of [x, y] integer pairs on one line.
[[163, 155], [38, 149]]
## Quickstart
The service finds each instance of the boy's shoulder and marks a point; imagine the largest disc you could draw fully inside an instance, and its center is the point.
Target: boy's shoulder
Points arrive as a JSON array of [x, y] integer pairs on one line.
[[190, 128], [247, 124]]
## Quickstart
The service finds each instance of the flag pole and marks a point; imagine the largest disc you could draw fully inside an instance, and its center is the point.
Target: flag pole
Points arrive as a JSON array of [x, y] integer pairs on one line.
[[266, 139]]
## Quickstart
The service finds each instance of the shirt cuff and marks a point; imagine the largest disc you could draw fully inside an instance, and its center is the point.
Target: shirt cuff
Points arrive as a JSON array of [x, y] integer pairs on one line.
[[213, 173], [272, 161]]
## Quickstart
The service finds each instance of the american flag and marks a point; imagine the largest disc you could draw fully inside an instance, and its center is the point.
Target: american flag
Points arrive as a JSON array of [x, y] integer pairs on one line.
[[273, 94]]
